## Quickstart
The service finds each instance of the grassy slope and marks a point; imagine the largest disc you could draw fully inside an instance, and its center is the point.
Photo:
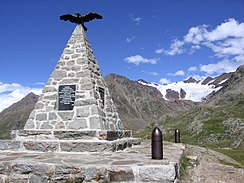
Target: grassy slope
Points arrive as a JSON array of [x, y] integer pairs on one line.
[[219, 128]]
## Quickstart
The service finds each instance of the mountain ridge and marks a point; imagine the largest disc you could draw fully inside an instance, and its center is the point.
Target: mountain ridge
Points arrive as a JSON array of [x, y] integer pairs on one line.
[[138, 103], [15, 116]]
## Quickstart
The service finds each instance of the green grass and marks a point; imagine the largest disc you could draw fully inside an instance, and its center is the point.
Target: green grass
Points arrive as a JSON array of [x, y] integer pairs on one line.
[[184, 164], [236, 154], [211, 133]]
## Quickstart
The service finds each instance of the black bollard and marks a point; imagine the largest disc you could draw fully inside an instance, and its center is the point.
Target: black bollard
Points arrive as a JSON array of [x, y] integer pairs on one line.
[[177, 136], [157, 144]]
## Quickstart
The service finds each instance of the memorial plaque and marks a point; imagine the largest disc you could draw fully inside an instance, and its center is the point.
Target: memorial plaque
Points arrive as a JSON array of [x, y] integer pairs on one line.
[[102, 96], [66, 97]]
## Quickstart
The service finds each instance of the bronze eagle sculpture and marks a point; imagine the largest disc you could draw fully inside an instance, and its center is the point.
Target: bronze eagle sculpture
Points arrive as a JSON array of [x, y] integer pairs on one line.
[[78, 19]]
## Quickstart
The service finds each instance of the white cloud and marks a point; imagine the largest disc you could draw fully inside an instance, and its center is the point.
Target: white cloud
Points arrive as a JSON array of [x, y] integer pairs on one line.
[[220, 67], [137, 20], [11, 93], [151, 73], [128, 40], [195, 35], [225, 40], [164, 81], [192, 69], [159, 51], [239, 58], [179, 73], [176, 47], [137, 59], [230, 28]]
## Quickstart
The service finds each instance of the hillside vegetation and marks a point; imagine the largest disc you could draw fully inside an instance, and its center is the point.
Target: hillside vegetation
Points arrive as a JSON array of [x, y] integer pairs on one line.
[[15, 116], [218, 123]]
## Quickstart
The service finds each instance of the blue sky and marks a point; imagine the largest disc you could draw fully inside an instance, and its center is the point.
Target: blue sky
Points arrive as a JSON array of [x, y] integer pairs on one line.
[[160, 41]]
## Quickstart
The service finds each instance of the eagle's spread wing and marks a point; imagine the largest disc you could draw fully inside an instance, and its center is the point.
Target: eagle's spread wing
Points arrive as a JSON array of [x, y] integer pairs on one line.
[[78, 19], [91, 16], [69, 17]]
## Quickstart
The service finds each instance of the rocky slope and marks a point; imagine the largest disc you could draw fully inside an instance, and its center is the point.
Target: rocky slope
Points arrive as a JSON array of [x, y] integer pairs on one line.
[[138, 104], [191, 89], [15, 116], [232, 90], [216, 123], [206, 165]]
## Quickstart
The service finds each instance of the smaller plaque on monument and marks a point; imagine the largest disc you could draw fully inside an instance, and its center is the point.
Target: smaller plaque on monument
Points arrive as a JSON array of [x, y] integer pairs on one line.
[[66, 97]]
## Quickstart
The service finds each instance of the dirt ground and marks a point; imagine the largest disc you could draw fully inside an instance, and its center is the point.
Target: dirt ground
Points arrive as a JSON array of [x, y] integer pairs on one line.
[[207, 166]]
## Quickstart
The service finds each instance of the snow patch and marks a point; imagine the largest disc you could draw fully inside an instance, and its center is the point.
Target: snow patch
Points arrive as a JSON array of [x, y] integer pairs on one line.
[[194, 91]]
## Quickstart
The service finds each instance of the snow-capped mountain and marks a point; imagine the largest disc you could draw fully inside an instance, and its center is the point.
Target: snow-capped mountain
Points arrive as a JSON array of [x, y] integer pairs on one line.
[[190, 89]]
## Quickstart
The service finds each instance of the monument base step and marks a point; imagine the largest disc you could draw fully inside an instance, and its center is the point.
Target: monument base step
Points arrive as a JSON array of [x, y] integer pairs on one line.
[[108, 135], [131, 165], [69, 146]]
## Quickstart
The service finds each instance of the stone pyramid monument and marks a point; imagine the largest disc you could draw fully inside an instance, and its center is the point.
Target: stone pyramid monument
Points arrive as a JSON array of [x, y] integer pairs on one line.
[[76, 96], [75, 112]]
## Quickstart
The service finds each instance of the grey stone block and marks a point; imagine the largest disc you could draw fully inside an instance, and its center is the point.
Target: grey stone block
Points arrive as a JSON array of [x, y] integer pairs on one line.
[[71, 63], [25, 133], [163, 173], [74, 135], [93, 173], [66, 115], [95, 123], [29, 124], [59, 74], [87, 86], [43, 169], [52, 116], [69, 81], [77, 124], [76, 68], [82, 111], [39, 105], [84, 102], [71, 74], [9, 145], [82, 74], [81, 61], [60, 126], [42, 146], [32, 114], [66, 169], [22, 168], [41, 116], [121, 174], [87, 146], [75, 56], [49, 89], [51, 97], [96, 110], [38, 179], [68, 51], [5, 168], [46, 125], [17, 178]]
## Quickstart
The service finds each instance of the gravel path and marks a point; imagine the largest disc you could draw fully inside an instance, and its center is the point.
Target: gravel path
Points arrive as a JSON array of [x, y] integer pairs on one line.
[[206, 167]]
